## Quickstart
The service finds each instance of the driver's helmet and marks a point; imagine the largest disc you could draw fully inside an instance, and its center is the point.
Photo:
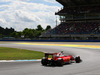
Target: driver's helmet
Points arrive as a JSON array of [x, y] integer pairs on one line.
[[58, 54], [62, 52]]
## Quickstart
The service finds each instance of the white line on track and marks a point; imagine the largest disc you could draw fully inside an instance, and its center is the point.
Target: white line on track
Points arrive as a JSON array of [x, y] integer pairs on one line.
[[19, 60]]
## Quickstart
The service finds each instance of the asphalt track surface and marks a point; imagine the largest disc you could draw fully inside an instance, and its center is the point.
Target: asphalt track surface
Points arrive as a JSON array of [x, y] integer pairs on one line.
[[89, 52]]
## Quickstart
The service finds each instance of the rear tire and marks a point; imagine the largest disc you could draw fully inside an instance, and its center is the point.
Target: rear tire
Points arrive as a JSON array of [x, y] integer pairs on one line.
[[44, 62], [60, 62]]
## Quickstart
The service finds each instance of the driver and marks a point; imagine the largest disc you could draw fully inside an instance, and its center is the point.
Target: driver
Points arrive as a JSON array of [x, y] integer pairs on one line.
[[60, 54]]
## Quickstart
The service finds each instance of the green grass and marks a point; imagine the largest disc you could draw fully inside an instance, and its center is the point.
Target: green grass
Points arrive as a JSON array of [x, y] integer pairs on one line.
[[19, 54]]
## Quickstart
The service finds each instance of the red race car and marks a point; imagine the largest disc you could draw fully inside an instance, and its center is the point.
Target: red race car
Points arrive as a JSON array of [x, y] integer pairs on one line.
[[58, 59]]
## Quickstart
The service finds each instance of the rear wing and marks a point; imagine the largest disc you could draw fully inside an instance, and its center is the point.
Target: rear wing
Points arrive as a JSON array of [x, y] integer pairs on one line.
[[47, 54]]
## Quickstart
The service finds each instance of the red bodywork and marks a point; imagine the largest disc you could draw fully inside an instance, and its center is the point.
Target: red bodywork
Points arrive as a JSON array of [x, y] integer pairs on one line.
[[55, 57], [66, 58], [59, 59]]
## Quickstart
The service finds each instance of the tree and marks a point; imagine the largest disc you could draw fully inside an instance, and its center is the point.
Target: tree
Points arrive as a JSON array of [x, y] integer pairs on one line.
[[48, 27], [14, 34], [39, 27], [1, 30], [37, 33], [8, 31], [11, 30], [28, 33]]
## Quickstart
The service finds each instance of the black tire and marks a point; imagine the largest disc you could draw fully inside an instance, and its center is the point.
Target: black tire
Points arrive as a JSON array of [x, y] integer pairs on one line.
[[52, 63], [60, 62], [44, 62], [77, 59]]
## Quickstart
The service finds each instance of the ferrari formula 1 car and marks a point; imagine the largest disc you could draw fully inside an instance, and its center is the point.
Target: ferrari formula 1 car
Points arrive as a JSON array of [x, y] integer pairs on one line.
[[58, 59]]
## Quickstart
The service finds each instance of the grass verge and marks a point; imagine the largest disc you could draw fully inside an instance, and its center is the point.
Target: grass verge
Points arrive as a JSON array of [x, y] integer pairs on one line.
[[19, 54]]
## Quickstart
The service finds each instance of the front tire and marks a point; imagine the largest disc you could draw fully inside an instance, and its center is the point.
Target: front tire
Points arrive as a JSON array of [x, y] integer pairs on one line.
[[77, 59]]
